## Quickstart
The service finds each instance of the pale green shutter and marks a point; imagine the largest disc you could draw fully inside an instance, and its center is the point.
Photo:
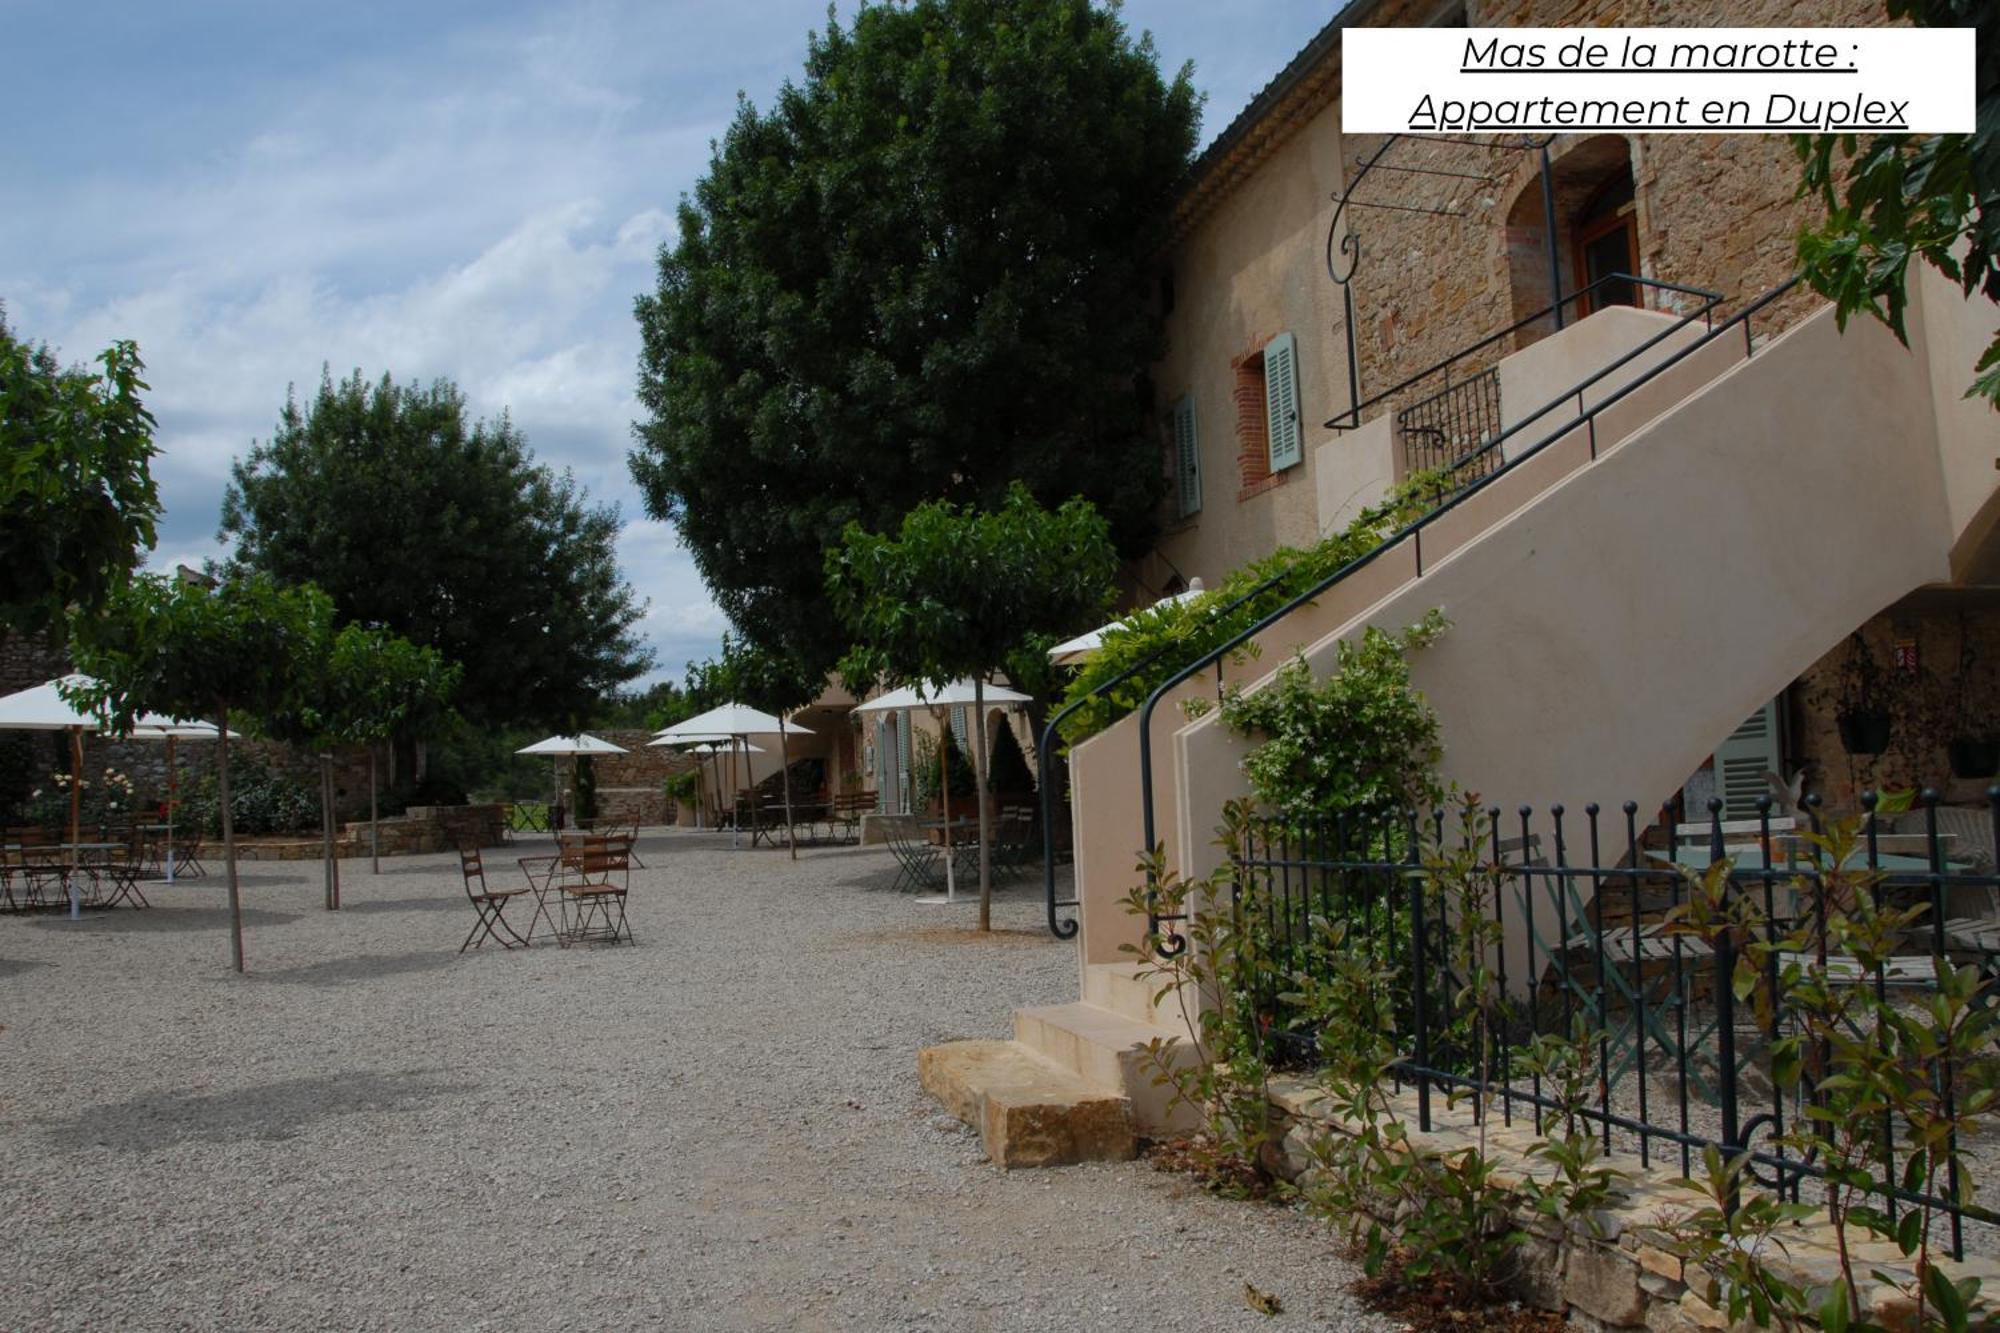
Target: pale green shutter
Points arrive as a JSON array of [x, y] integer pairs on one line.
[[881, 767], [958, 725], [1187, 456], [1281, 402], [1742, 761], [903, 765]]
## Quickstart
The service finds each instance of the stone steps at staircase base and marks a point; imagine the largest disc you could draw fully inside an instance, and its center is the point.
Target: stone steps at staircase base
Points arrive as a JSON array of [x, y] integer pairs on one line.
[[1028, 1110]]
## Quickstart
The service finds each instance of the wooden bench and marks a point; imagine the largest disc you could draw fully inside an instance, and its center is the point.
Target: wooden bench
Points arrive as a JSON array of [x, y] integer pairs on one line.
[[848, 807]]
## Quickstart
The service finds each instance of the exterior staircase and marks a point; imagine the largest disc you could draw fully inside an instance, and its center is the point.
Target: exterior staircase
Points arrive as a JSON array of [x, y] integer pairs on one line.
[[1077, 1082], [1644, 574]]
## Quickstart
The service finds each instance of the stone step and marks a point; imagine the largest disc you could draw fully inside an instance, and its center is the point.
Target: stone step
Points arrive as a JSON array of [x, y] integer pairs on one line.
[[1028, 1110], [1119, 988], [1111, 1050]]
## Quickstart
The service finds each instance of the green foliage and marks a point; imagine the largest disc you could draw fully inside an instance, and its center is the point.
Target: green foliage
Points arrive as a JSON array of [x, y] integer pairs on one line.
[[78, 506], [654, 708], [263, 799], [1181, 633], [684, 788], [928, 755], [1894, 198], [1007, 769], [957, 201], [186, 650], [955, 591], [583, 790], [446, 533], [1892, 1090], [370, 686], [1360, 741]]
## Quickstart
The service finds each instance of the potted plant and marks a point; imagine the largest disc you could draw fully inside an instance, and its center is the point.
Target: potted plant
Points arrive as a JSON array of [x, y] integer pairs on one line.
[[1974, 750], [1861, 714]]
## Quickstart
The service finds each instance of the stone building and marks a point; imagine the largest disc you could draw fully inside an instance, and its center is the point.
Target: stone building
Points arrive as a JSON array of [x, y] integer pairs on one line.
[[1694, 533]]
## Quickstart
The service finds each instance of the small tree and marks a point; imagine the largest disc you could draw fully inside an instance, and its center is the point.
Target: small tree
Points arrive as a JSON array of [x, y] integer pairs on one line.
[[187, 650], [1897, 197], [77, 500], [955, 592]]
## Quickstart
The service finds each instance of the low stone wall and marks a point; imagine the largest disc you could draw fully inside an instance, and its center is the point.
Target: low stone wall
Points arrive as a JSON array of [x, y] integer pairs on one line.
[[418, 830], [1623, 1276], [646, 806]]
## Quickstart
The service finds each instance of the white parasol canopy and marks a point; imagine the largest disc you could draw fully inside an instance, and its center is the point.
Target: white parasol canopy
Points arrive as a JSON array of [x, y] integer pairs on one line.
[[1085, 646], [727, 720], [952, 695], [572, 745]]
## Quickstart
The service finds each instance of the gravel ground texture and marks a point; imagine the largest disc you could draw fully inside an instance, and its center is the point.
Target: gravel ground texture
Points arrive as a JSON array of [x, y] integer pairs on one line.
[[718, 1128]]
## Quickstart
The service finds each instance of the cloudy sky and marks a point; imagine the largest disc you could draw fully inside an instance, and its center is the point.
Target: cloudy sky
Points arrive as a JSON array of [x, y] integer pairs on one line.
[[253, 189]]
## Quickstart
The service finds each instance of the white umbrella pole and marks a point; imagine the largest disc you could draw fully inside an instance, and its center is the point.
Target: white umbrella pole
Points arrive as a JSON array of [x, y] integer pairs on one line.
[[785, 758]]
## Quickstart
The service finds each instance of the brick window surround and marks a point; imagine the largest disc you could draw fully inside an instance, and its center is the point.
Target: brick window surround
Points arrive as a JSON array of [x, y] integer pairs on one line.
[[1253, 431]]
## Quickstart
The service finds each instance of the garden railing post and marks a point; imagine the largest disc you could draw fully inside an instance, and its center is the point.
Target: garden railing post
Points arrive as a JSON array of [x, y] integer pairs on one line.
[[1725, 1007], [1419, 978]]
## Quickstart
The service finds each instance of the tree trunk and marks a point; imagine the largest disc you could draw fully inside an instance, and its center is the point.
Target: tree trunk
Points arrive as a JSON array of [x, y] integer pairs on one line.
[[374, 818], [979, 797], [785, 758], [326, 829], [229, 838], [333, 812]]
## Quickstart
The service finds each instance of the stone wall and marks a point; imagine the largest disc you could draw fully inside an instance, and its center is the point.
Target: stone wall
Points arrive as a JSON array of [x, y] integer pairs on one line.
[[1617, 1271], [1939, 696], [421, 829]]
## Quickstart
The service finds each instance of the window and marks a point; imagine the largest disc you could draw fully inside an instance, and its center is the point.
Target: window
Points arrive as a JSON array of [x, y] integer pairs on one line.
[[1187, 458], [1268, 435]]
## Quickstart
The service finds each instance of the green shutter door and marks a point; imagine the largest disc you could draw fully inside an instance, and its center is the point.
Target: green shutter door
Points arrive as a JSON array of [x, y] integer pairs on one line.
[[1281, 402], [1187, 456], [1741, 762]]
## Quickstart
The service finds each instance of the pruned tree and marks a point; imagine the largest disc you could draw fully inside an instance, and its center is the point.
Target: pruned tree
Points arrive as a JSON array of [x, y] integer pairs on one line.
[[956, 591], [926, 272], [78, 507], [185, 649]]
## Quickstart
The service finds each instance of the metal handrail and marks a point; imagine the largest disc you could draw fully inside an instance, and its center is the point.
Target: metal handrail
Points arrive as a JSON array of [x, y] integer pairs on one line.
[[1351, 418], [1172, 944], [1067, 929]]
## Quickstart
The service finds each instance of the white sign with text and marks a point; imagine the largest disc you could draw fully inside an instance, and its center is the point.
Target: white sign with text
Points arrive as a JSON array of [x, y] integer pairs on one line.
[[1657, 80]]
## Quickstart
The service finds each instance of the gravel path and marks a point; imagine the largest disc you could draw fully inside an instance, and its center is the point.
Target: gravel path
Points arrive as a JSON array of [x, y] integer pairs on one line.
[[720, 1128]]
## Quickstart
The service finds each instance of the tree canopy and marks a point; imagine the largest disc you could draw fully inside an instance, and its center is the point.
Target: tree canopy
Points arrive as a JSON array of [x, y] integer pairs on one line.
[[924, 272], [447, 532], [956, 592], [78, 506], [1899, 197], [247, 646]]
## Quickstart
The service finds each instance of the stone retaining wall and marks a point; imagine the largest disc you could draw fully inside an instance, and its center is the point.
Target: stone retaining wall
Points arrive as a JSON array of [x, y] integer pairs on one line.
[[1623, 1276]]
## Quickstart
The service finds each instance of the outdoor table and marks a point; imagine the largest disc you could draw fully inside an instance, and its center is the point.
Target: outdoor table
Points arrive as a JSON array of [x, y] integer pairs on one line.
[[550, 867], [67, 865]]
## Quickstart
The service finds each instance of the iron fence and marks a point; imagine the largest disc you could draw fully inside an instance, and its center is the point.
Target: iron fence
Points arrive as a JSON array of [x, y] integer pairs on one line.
[[1580, 913], [1450, 429]]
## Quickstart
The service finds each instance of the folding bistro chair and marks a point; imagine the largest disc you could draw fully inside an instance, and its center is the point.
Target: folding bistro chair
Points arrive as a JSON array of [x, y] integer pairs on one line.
[[489, 903], [918, 863], [596, 880]]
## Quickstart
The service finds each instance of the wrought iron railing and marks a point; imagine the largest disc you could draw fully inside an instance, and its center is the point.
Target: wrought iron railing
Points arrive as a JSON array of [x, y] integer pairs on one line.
[[1171, 942], [1580, 910], [1442, 431]]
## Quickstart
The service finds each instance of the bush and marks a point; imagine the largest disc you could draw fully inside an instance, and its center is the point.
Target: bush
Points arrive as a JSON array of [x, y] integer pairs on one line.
[[1007, 768], [262, 797], [1185, 632], [924, 770]]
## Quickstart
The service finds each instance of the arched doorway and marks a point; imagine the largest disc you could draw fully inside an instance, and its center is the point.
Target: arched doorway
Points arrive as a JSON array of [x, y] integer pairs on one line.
[[1597, 234]]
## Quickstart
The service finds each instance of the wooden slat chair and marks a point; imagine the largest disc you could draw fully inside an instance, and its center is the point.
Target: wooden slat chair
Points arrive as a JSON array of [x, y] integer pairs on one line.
[[596, 879], [847, 809], [489, 903]]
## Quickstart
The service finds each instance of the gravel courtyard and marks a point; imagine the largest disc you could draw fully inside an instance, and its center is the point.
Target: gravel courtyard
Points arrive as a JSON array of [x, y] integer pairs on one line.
[[719, 1128]]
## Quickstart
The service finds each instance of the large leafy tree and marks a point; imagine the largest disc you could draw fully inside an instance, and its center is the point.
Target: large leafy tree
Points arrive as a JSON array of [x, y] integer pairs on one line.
[[78, 506], [923, 273], [447, 532], [955, 592], [1900, 197]]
